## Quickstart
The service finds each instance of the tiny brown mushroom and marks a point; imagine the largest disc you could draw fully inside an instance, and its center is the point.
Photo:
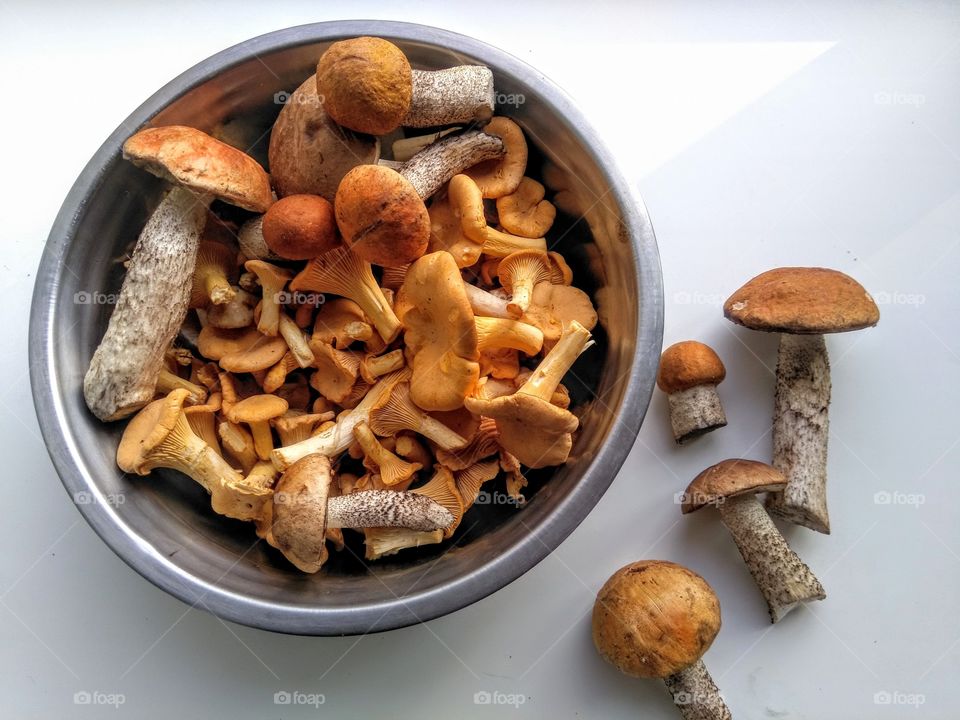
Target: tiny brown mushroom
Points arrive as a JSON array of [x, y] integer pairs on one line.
[[802, 304], [731, 486], [299, 227], [656, 619], [689, 374], [257, 412]]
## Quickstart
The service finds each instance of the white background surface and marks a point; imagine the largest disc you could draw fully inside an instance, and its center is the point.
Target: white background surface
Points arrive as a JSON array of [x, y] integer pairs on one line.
[[759, 134]]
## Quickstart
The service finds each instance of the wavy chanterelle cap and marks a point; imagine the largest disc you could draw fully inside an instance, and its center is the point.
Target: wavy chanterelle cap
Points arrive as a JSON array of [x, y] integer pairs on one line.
[[192, 158], [804, 301], [654, 618], [687, 364], [729, 479]]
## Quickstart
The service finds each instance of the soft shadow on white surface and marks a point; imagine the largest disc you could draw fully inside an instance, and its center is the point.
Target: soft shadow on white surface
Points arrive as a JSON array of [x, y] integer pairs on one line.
[[759, 135]]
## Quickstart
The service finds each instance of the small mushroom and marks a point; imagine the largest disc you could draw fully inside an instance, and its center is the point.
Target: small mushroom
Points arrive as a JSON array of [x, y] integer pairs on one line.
[[160, 436], [257, 412], [440, 334], [238, 445], [802, 304], [273, 280], [538, 433], [259, 352], [553, 307], [380, 211], [393, 470], [367, 85], [342, 272], [483, 442], [500, 177], [656, 619], [396, 411], [190, 157], [466, 199], [169, 380], [340, 323], [309, 152], [336, 439], [447, 234], [519, 272], [299, 227], [471, 479], [235, 314], [499, 333], [524, 212], [202, 419], [337, 371], [373, 366], [689, 374], [407, 446], [211, 275], [731, 486]]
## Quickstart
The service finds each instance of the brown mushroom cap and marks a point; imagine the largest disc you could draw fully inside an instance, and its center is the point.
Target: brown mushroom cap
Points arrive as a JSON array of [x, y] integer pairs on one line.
[[192, 158], [309, 152], [299, 520], [366, 84], [553, 307], [803, 301], [654, 618], [728, 479], [381, 216], [299, 227], [257, 409], [688, 364]]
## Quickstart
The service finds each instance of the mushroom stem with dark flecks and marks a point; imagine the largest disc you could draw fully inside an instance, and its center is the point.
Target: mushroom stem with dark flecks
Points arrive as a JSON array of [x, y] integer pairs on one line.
[[802, 304], [689, 374], [656, 619], [783, 578], [153, 301], [302, 510]]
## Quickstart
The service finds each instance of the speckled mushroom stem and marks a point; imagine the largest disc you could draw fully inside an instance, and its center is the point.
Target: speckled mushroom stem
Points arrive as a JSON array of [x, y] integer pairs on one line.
[[695, 694], [153, 301], [430, 168], [456, 95], [800, 430], [783, 578], [386, 508], [695, 411]]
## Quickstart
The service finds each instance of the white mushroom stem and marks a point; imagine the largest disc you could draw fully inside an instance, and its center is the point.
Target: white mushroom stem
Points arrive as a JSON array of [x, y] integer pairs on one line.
[[544, 380], [387, 508], [783, 578], [433, 166], [456, 95], [800, 430], [296, 341], [252, 244], [695, 694], [695, 411], [338, 437], [153, 302], [486, 304]]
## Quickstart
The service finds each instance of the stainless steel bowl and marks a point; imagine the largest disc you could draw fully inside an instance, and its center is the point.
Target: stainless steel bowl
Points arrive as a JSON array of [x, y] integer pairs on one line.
[[162, 526]]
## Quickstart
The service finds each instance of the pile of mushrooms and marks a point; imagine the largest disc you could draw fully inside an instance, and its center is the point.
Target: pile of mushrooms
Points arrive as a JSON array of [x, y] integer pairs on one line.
[[375, 340]]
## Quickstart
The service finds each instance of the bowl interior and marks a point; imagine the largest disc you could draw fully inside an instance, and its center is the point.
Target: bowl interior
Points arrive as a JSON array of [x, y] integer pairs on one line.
[[163, 525]]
